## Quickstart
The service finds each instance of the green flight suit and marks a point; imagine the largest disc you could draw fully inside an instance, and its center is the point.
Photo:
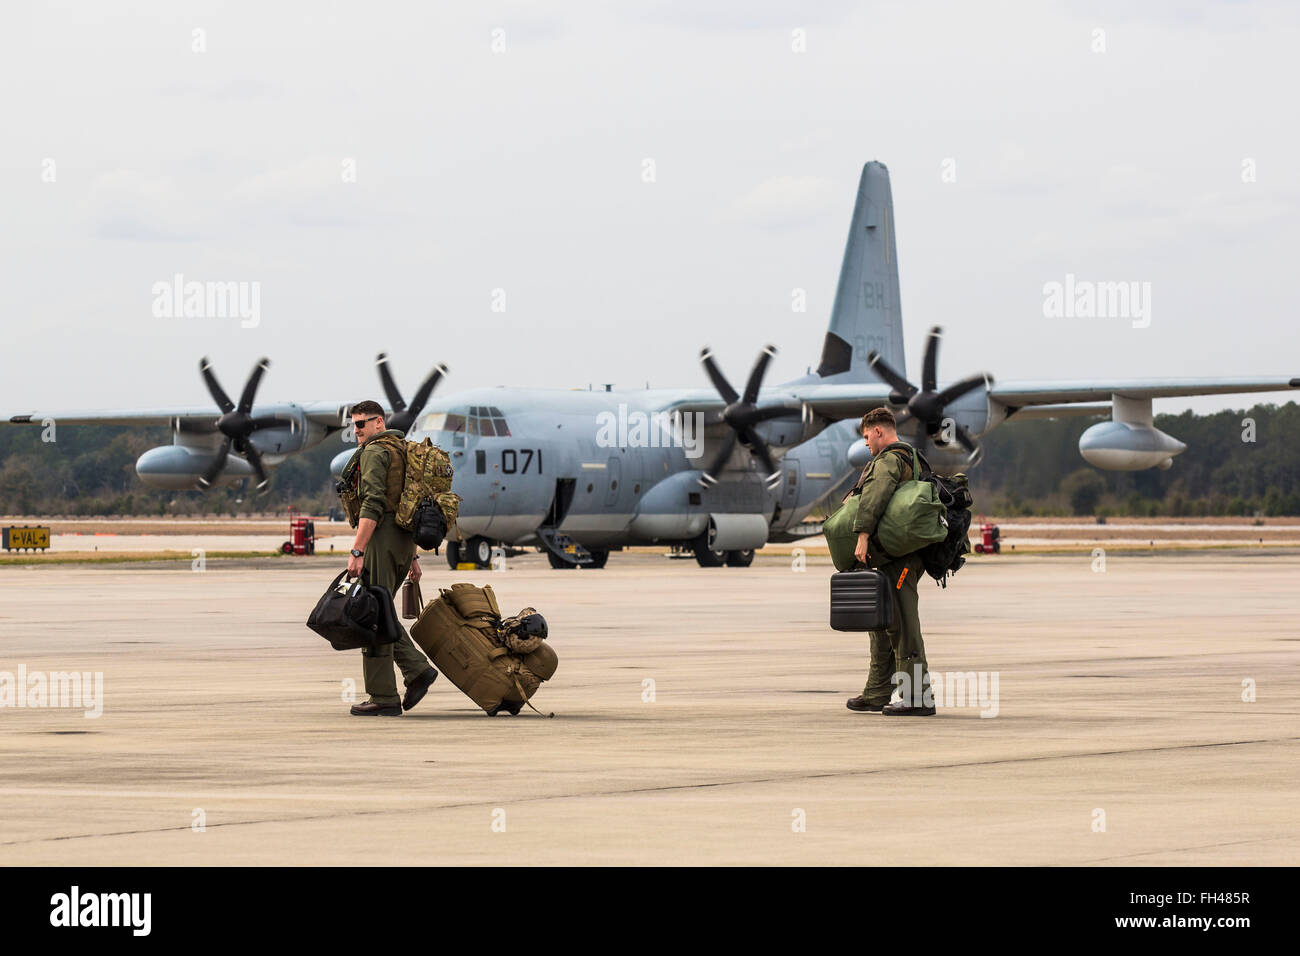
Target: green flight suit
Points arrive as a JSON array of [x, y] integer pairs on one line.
[[387, 561], [900, 649]]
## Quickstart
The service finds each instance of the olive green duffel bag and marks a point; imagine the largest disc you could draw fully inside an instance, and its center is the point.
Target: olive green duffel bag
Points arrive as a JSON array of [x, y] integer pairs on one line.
[[914, 517], [841, 539]]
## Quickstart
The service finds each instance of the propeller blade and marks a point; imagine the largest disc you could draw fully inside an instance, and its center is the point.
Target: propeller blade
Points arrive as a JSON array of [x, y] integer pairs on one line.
[[971, 445], [710, 476], [390, 387], [255, 459], [958, 389], [891, 377], [250, 387], [214, 387], [763, 454], [903, 417], [426, 389], [967, 441], [756, 375], [208, 477], [719, 380], [930, 365]]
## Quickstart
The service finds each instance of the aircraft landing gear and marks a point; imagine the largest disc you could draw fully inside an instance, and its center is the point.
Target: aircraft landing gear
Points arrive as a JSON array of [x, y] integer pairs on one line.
[[452, 553], [479, 550], [598, 559], [709, 559], [706, 557]]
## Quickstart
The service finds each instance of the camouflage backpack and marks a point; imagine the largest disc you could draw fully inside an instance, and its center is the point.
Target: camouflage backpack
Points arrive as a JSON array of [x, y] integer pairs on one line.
[[418, 472], [428, 477]]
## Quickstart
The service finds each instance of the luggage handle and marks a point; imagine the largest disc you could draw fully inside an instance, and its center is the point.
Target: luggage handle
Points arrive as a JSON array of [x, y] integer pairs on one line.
[[335, 583]]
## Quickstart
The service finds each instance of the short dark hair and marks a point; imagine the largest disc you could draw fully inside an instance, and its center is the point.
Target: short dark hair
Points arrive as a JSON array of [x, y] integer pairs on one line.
[[878, 416], [367, 408]]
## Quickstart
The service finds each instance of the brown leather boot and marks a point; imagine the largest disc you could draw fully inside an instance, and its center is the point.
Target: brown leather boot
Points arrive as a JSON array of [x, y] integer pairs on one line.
[[371, 709], [862, 705]]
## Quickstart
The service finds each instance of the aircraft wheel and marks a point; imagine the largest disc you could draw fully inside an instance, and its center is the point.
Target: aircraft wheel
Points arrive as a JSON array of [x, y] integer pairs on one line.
[[453, 554], [740, 559], [709, 559], [557, 562], [598, 559], [479, 550]]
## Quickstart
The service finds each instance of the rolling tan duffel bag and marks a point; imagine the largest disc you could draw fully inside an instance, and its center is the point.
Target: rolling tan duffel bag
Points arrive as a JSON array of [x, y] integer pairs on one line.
[[461, 631]]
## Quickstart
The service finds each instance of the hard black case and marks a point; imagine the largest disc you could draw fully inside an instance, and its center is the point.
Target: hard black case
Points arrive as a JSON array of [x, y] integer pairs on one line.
[[860, 601]]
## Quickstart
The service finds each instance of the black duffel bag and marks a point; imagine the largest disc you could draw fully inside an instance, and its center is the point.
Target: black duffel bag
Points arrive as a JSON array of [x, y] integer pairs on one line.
[[352, 614]]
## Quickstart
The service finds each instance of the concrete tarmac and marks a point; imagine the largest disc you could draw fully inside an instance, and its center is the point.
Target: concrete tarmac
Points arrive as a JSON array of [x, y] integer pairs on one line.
[[700, 719]]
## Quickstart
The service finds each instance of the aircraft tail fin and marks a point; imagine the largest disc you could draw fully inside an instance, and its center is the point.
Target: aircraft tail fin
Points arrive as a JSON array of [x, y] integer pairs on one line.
[[866, 315]]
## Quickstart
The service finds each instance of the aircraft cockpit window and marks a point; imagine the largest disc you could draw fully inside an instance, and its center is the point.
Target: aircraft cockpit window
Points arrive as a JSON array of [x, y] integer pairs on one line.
[[472, 420], [498, 421]]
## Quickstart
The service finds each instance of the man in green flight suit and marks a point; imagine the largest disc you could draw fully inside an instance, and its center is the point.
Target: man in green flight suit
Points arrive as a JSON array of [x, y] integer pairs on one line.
[[370, 489], [897, 654]]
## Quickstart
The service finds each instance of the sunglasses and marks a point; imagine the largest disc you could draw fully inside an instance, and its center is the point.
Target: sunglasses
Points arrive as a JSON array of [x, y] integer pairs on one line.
[[362, 423]]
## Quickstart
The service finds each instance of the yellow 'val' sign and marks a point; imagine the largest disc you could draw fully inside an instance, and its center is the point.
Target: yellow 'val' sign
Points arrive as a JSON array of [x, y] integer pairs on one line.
[[18, 539]]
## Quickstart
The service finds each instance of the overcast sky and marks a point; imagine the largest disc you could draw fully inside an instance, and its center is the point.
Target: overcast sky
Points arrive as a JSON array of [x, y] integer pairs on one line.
[[522, 169]]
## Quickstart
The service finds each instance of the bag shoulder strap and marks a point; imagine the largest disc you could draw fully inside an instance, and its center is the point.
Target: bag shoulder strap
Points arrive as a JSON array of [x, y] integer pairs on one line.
[[524, 696]]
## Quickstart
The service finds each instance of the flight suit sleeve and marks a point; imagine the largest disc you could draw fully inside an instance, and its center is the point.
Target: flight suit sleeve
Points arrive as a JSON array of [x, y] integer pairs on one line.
[[373, 486], [886, 473]]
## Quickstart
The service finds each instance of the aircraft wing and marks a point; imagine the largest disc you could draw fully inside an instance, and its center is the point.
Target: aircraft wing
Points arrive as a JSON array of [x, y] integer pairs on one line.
[[1017, 395], [120, 416], [850, 401], [829, 401], [200, 416]]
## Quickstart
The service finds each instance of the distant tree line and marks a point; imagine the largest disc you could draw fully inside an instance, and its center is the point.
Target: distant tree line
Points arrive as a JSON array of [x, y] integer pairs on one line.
[[1029, 468], [1034, 467], [90, 470]]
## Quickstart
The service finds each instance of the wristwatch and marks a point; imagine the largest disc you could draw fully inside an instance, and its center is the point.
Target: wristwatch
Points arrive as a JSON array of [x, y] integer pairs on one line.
[[358, 554]]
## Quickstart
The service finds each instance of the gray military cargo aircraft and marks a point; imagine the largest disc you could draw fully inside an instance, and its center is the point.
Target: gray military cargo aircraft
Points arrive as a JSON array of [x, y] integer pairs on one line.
[[717, 472]]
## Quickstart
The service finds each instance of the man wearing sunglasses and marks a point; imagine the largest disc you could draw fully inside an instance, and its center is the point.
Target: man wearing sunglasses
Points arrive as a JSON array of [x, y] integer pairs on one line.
[[370, 488]]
